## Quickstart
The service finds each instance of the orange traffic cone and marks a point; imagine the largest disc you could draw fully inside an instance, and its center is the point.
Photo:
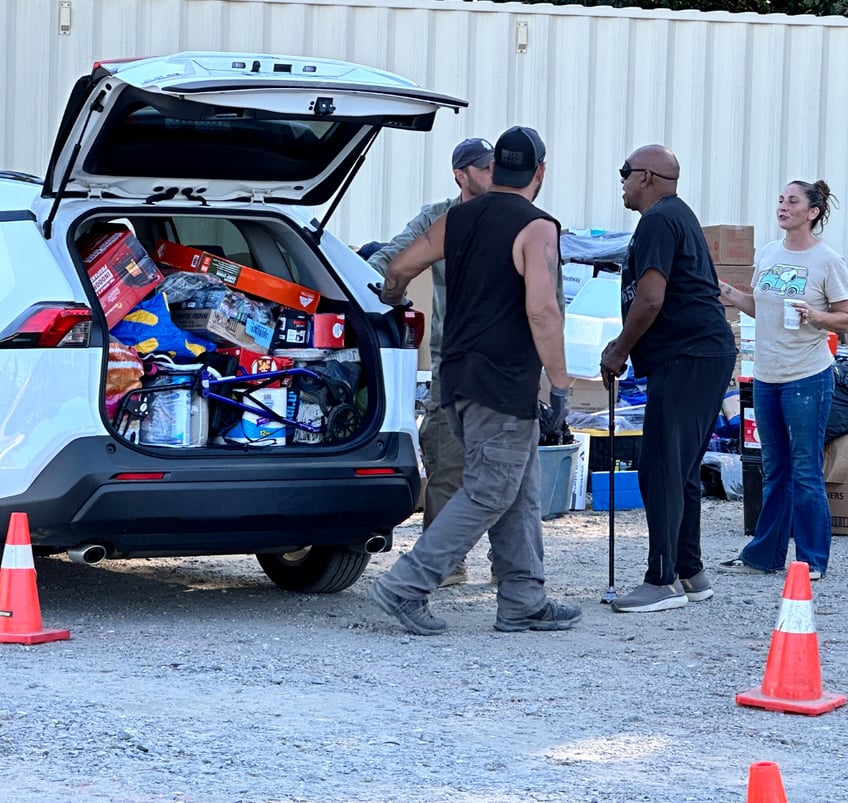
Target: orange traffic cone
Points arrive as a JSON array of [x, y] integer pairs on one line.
[[764, 783], [792, 681], [20, 613]]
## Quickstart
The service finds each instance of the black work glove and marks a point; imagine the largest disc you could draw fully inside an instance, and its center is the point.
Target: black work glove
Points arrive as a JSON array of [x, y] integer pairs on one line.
[[559, 408]]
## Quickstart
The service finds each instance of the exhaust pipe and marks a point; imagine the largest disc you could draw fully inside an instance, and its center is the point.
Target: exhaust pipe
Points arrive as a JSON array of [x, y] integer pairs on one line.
[[90, 554], [375, 544]]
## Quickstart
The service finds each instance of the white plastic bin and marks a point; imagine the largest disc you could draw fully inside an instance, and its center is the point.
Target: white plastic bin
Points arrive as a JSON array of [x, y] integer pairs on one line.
[[592, 319]]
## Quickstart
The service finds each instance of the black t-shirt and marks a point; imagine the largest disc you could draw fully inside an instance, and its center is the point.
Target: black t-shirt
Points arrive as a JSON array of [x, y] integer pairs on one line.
[[691, 321], [488, 353]]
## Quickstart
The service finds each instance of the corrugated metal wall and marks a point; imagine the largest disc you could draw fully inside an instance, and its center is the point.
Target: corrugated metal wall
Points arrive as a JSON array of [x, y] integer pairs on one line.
[[747, 102]]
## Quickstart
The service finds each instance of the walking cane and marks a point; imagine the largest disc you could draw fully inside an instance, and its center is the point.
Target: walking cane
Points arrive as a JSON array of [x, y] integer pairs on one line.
[[610, 594]]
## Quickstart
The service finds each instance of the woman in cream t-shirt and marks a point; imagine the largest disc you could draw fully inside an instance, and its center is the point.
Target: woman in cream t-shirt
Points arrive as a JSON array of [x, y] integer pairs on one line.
[[793, 380]]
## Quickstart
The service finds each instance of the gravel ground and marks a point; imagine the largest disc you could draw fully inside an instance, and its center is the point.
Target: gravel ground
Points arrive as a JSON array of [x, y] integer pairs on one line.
[[197, 680]]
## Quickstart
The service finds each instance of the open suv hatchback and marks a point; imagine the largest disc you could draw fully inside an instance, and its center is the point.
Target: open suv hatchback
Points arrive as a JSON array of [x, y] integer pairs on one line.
[[222, 153]]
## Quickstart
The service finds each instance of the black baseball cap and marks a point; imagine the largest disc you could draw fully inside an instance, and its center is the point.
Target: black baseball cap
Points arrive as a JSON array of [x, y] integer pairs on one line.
[[518, 152], [475, 152]]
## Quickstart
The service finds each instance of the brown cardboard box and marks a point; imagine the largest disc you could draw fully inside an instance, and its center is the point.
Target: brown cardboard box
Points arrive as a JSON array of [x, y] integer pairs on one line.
[[837, 499], [420, 290], [835, 466], [738, 276], [589, 396], [730, 245], [218, 327], [836, 482]]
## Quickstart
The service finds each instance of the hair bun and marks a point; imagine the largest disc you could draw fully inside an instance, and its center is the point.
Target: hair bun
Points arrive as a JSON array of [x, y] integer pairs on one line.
[[822, 186]]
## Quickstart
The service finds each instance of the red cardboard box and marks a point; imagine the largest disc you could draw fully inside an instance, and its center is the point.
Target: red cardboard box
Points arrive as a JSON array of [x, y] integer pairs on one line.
[[248, 280], [254, 362], [328, 330], [121, 271]]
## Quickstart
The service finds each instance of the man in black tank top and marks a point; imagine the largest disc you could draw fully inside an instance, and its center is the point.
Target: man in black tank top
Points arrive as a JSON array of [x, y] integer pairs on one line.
[[503, 322]]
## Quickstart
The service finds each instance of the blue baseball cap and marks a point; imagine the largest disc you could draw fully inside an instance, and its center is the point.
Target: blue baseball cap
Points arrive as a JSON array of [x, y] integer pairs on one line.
[[475, 152]]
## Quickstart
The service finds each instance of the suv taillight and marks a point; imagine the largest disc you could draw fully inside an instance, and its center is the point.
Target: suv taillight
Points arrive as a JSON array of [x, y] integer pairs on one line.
[[49, 326], [413, 329]]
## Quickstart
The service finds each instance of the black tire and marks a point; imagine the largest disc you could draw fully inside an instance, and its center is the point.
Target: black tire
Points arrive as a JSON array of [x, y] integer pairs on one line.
[[315, 569], [343, 422]]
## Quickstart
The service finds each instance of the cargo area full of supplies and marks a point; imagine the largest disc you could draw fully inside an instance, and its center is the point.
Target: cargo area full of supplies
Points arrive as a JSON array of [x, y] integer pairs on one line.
[[224, 333]]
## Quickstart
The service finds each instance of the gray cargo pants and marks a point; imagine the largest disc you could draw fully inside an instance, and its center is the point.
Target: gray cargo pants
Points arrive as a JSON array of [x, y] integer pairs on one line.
[[500, 493], [443, 455]]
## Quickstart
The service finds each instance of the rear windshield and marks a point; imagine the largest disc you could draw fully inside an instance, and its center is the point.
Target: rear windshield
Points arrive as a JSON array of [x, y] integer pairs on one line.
[[216, 142]]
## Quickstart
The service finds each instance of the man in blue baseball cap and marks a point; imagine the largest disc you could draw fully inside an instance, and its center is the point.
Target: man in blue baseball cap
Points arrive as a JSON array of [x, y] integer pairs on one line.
[[442, 452]]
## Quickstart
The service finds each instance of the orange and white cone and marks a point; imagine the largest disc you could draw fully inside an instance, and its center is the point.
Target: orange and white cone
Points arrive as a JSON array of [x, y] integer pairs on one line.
[[20, 612], [792, 680], [765, 784]]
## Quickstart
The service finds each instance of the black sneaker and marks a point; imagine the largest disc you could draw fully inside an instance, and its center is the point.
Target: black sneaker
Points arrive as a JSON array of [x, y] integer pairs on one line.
[[554, 616], [738, 566], [413, 614]]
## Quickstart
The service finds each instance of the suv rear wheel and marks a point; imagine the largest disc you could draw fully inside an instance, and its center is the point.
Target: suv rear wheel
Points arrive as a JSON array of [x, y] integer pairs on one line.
[[315, 569]]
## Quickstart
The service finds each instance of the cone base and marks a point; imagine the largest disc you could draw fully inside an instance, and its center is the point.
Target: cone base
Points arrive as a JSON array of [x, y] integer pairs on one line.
[[38, 637], [827, 702]]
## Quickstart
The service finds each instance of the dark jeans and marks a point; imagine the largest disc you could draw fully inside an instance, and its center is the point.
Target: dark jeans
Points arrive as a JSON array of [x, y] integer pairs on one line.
[[791, 420], [684, 397]]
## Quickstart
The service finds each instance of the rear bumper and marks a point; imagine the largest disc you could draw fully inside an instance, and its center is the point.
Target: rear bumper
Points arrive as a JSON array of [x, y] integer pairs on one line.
[[217, 504]]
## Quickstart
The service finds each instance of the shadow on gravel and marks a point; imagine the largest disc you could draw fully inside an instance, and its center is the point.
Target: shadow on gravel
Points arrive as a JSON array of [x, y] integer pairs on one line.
[[180, 587]]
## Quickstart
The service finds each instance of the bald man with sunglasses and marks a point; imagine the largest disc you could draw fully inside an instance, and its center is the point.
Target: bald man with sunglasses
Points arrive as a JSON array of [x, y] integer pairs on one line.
[[675, 333]]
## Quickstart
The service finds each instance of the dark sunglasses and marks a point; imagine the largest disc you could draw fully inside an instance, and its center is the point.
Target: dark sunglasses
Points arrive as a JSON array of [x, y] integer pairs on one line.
[[625, 171]]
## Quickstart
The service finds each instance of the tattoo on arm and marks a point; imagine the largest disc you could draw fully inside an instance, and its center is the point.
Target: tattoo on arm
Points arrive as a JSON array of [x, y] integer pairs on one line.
[[552, 260]]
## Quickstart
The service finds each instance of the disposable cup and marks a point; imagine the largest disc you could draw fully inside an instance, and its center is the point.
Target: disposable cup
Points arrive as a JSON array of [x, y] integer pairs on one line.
[[791, 316]]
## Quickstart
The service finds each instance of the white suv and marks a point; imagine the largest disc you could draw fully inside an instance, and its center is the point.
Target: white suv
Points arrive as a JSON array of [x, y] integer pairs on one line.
[[224, 153]]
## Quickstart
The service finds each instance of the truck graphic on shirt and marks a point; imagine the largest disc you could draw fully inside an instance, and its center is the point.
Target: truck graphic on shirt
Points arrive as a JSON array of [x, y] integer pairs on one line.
[[785, 280]]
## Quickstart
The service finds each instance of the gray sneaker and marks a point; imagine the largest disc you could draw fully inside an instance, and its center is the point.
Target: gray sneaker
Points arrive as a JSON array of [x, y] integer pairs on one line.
[[554, 616], [457, 576], [697, 588], [648, 597], [413, 614]]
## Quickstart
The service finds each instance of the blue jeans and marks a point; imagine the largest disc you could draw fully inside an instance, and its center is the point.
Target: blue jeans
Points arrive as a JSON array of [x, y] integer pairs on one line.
[[791, 419]]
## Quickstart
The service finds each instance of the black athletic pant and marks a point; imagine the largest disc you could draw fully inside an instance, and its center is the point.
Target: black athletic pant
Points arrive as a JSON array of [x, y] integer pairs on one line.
[[684, 398]]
